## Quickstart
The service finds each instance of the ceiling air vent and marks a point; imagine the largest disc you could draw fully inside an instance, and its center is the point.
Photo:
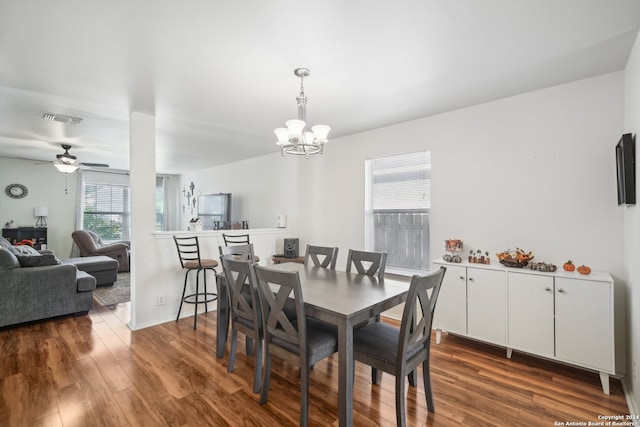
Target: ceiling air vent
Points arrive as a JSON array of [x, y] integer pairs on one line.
[[67, 120]]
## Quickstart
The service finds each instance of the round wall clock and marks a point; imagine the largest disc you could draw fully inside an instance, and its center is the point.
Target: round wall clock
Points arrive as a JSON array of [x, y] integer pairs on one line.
[[17, 191]]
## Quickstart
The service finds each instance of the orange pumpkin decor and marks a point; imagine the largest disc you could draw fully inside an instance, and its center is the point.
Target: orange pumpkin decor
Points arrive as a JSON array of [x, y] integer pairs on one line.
[[583, 269], [569, 266]]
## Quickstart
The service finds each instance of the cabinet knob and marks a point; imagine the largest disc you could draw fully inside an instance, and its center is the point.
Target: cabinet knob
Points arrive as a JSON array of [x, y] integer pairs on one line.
[[461, 277], [471, 279], [561, 290], [548, 289]]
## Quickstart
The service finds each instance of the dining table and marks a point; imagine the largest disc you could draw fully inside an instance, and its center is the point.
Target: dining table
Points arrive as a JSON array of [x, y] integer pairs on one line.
[[339, 298]]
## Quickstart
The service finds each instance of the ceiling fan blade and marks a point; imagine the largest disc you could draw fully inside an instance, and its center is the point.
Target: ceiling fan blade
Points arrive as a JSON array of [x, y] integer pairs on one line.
[[95, 165], [36, 161]]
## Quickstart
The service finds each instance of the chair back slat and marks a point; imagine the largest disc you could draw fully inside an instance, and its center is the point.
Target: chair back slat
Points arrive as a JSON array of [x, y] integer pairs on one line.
[[367, 263], [235, 239], [415, 329], [188, 249], [329, 256]]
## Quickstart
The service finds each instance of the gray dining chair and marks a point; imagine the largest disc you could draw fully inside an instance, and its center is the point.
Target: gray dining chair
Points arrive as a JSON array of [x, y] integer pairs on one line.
[[303, 341], [239, 252], [321, 256], [242, 250], [399, 351], [246, 315], [369, 263]]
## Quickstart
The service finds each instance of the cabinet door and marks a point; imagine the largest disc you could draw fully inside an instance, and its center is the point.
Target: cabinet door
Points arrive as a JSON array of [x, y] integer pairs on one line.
[[584, 323], [451, 307], [530, 310], [487, 305]]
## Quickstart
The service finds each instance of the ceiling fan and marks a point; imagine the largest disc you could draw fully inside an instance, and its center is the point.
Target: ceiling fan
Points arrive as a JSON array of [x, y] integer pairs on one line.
[[67, 163]]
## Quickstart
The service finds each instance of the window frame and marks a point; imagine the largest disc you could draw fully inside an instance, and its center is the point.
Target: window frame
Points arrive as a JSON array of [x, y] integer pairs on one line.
[[370, 213]]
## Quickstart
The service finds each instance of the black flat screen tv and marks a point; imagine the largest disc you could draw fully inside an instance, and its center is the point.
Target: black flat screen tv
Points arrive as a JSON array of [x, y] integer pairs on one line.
[[626, 170]]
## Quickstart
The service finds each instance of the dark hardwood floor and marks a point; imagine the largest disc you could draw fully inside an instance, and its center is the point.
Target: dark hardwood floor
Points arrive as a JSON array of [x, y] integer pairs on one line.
[[93, 371]]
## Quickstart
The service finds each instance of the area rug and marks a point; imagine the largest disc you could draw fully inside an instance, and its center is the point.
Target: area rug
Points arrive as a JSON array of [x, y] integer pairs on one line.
[[119, 292]]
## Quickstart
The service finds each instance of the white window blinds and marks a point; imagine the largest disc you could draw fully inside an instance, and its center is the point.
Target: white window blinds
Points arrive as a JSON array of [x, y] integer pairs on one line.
[[107, 210], [401, 182]]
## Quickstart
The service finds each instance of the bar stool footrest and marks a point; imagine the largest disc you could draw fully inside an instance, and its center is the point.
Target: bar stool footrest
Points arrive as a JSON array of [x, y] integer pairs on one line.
[[200, 298]]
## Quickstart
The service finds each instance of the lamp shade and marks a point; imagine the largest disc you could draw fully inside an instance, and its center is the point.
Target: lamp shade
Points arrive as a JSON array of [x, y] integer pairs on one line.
[[321, 132], [40, 211], [295, 128], [283, 136], [65, 167], [309, 137]]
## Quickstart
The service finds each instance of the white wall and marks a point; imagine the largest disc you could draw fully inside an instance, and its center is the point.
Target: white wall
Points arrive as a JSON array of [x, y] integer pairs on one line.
[[46, 187], [535, 171], [631, 273], [261, 188]]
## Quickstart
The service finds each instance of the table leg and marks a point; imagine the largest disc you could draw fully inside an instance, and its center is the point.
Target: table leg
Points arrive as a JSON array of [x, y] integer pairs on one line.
[[345, 372], [222, 316]]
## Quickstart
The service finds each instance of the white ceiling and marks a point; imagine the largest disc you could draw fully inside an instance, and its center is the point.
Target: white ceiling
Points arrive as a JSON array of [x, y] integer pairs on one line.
[[218, 75]]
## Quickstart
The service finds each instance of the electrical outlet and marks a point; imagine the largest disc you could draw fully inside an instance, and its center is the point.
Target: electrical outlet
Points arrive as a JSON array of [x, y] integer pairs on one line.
[[160, 300]]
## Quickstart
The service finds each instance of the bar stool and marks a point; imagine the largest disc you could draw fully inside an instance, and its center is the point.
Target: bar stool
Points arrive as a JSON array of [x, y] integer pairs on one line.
[[189, 254], [238, 239]]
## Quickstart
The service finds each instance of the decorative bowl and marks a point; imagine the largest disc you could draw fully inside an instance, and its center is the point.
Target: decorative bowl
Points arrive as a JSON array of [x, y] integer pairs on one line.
[[516, 259]]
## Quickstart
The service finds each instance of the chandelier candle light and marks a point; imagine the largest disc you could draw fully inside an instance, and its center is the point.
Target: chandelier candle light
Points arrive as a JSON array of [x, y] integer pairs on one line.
[[296, 138]]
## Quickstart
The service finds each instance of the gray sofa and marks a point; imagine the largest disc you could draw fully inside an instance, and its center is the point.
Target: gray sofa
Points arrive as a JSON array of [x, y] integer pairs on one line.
[[32, 290]]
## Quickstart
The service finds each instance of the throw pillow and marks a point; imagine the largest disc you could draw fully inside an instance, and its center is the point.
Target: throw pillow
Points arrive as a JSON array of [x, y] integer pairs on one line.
[[37, 260], [8, 260], [4, 243], [24, 250]]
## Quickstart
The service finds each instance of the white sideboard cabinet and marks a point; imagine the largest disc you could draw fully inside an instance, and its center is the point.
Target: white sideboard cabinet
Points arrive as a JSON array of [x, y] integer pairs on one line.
[[563, 316]]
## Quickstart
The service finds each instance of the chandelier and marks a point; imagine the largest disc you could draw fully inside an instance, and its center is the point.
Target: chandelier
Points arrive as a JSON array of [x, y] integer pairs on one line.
[[296, 138]]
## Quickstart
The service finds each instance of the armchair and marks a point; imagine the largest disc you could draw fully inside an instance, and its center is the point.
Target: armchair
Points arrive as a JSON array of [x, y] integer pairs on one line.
[[90, 244]]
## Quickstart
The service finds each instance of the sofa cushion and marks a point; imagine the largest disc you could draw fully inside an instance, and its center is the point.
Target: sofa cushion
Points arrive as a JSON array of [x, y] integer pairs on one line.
[[103, 268], [86, 282], [24, 250], [8, 260], [93, 263], [37, 260], [4, 243]]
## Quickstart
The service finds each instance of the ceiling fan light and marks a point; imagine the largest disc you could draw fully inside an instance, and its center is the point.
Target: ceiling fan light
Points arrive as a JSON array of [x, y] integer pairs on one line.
[[65, 167], [321, 132], [283, 136]]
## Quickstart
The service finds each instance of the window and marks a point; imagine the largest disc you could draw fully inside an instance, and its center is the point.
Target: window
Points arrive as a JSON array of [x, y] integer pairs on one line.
[[160, 203], [106, 204], [397, 209], [107, 210]]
